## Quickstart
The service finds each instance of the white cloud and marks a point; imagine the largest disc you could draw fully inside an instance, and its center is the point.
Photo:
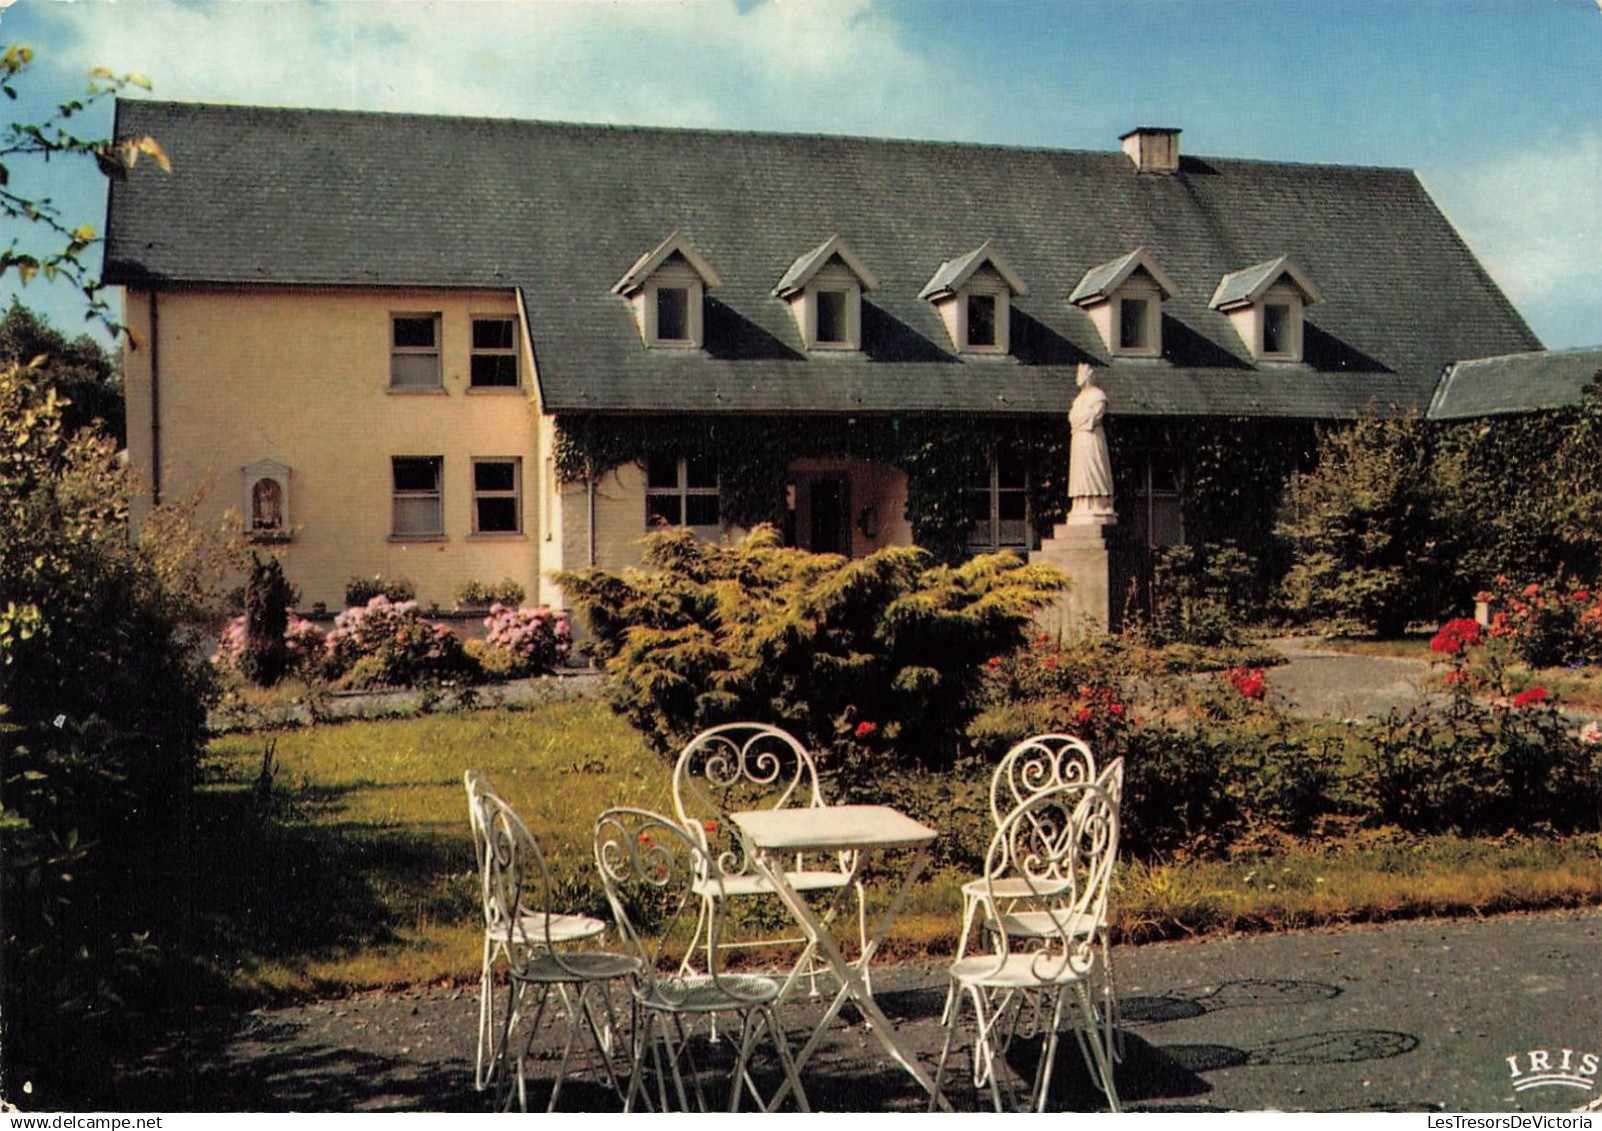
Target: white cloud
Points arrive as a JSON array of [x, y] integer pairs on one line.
[[1534, 217], [831, 66]]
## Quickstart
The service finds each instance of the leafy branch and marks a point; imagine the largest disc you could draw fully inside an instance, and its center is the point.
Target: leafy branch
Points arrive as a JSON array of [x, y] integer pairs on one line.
[[56, 136]]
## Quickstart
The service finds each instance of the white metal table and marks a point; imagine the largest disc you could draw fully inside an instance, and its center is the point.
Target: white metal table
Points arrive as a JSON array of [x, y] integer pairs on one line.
[[772, 834]]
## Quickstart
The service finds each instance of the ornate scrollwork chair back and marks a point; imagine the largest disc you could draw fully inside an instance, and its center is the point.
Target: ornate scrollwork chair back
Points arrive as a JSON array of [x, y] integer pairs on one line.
[[1037, 764], [734, 767], [664, 891]]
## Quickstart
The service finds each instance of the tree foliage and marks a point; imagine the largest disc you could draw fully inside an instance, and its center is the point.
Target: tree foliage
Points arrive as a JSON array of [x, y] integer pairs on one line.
[[1370, 528], [55, 137], [86, 376], [102, 701], [879, 653], [1530, 494]]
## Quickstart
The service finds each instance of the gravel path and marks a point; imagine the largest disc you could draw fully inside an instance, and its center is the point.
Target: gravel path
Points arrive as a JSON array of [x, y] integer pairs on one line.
[[1416, 1016]]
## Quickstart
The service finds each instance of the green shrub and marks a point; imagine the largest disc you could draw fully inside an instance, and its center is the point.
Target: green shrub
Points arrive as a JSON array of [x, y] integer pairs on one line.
[[1201, 595], [360, 590], [1483, 769], [268, 599], [478, 594], [102, 713], [854, 657], [1370, 529]]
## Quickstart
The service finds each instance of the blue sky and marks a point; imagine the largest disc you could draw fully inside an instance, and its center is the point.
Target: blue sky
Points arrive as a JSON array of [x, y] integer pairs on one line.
[[1497, 105]]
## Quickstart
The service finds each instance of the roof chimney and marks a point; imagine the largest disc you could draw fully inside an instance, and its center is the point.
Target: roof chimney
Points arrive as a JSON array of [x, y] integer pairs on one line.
[[1153, 149]]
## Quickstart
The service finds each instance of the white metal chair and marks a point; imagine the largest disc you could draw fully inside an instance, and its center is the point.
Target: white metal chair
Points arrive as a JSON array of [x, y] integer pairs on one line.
[[1035, 765], [665, 893], [744, 766], [514, 882], [1059, 848]]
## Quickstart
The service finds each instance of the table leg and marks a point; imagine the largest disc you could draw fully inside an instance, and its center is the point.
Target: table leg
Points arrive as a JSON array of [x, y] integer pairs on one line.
[[852, 986]]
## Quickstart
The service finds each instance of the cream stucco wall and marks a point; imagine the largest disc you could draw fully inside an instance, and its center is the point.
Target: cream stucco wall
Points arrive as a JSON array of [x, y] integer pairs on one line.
[[302, 377]]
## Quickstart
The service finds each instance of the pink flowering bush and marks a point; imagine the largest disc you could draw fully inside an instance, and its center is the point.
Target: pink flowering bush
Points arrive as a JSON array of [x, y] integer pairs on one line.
[[537, 638], [389, 643], [303, 639]]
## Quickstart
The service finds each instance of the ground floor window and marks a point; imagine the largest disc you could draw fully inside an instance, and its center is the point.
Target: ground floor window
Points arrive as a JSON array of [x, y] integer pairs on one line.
[[998, 506], [497, 496], [417, 509], [1155, 513], [682, 491]]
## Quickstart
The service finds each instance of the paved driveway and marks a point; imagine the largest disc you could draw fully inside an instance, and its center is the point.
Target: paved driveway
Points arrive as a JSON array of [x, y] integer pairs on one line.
[[1416, 1016]]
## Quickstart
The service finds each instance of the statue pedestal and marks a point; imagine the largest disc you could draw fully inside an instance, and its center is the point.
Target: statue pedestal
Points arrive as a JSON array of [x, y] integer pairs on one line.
[[1089, 553]]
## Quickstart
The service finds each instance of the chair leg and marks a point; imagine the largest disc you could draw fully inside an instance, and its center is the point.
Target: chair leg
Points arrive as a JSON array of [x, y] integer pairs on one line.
[[948, 1019], [1100, 1058], [1048, 1057], [486, 1021], [1109, 995]]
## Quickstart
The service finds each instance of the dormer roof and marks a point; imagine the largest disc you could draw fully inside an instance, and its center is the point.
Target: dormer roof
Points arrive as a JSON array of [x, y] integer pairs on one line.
[[646, 265], [1100, 282], [808, 265], [1246, 286], [953, 273]]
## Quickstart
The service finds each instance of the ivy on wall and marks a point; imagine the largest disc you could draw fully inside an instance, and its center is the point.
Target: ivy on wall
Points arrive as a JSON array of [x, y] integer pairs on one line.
[[943, 457]]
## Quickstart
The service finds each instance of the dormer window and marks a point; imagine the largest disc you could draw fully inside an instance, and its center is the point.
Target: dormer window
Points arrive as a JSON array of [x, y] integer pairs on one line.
[[981, 321], [1134, 336], [973, 294], [824, 291], [1124, 300], [831, 327], [666, 287], [672, 314], [1266, 303]]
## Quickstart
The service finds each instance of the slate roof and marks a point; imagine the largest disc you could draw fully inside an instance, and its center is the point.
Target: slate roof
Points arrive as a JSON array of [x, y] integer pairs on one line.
[[276, 196], [1517, 383]]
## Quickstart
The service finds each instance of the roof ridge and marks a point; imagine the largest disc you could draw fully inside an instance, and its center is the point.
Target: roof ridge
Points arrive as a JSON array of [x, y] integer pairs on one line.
[[724, 131]]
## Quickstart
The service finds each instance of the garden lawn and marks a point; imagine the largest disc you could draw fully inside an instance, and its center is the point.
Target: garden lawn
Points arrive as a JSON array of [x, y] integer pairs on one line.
[[353, 867]]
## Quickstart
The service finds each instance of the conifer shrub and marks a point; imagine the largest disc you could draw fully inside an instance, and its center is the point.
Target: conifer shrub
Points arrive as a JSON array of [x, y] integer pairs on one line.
[[268, 598], [868, 658]]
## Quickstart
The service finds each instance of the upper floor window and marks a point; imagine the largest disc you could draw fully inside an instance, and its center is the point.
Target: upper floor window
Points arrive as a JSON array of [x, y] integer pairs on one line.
[[494, 358], [1266, 304], [417, 500], [998, 507], [498, 496], [824, 289], [414, 351], [682, 491], [1124, 300], [666, 288], [973, 294]]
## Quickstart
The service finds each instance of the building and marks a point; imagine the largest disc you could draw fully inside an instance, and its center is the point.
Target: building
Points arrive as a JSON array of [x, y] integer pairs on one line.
[[452, 349]]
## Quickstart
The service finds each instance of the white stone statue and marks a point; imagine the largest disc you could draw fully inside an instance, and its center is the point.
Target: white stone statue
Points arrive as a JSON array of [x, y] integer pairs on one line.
[[1090, 480]]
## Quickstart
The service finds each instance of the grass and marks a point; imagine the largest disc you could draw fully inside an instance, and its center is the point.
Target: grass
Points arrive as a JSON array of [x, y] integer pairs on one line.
[[353, 868]]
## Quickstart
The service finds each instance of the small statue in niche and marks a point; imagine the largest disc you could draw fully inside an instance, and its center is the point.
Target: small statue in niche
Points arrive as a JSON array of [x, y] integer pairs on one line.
[[267, 506]]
